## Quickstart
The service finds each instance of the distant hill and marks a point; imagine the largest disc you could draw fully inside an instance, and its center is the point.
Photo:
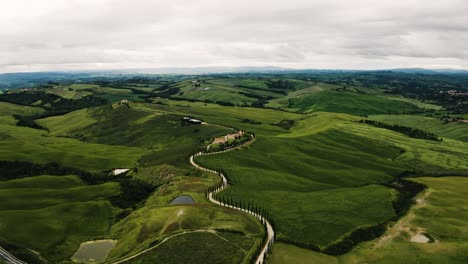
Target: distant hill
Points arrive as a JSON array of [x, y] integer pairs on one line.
[[31, 79]]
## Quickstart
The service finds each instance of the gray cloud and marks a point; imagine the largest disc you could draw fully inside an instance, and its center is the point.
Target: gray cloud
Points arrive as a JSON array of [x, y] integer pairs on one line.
[[361, 34]]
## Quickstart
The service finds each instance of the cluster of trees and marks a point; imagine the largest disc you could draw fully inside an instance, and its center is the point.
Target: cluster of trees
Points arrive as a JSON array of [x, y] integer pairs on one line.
[[258, 250], [286, 124], [282, 85], [248, 206], [407, 190], [52, 102], [28, 121], [410, 132], [257, 210], [357, 236], [132, 192], [250, 121]]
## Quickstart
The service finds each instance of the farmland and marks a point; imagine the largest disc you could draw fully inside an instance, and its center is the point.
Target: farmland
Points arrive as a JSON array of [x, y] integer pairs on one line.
[[333, 166]]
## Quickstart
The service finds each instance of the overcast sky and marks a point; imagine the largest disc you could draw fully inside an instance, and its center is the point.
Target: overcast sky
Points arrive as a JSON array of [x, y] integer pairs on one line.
[[39, 35]]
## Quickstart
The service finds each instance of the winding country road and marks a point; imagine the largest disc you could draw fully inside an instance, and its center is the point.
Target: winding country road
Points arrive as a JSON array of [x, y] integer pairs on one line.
[[9, 258], [269, 228]]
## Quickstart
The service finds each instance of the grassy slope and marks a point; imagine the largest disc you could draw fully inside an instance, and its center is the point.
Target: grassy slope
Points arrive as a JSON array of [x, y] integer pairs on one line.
[[439, 215], [214, 92], [194, 248], [162, 135], [329, 151], [64, 125], [35, 146], [150, 225], [7, 110], [51, 205], [351, 103], [433, 125]]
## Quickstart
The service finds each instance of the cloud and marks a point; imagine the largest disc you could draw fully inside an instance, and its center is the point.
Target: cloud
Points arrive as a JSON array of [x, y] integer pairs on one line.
[[359, 34]]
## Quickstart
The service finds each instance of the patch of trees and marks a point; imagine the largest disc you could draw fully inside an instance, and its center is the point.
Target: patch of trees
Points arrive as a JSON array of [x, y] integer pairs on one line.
[[357, 236], [168, 92], [259, 103], [256, 96], [282, 85], [132, 192], [260, 89], [410, 132], [27, 121], [54, 102], [407, 190], [250, 121], [285, 124], [223, 103], [138, 91]]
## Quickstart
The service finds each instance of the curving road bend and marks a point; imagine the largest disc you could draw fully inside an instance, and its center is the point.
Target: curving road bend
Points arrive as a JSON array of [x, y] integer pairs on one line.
[[269, 227], [9, 258]]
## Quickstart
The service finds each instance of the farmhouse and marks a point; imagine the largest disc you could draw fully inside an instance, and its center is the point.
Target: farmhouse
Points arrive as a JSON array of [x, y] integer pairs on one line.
[[226, 138]]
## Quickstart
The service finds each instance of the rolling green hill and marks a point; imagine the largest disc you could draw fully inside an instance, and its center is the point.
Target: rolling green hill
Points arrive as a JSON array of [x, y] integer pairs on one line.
[[456, 131], [437, 213], [60, 210], [329, 182], [305, 174], [351, 103]]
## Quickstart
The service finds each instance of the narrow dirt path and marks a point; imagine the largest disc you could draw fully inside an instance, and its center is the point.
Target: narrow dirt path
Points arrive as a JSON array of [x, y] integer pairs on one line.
[[269, 227]]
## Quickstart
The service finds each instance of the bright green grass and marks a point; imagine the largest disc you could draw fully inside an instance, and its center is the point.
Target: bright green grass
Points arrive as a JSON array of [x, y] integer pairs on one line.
[[64, 125], [200, 247], [7, 110], [44, 181], [150, 225], [351, 103], [35, 198], [287, 253], [111, 94], [439, 215], [35, 146], [213, 92], [415, 102], [54, 214], [330, 153], [451, 130], [68, 92], [163, 136], [224, 115]]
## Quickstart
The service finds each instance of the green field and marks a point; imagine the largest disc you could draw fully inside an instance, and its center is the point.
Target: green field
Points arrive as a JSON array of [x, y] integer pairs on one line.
[[27, 144], [322, 162], [7, 110], [437, 213], [434, 125], [351, 103], [320, 174], [200, 248], [51, 205]]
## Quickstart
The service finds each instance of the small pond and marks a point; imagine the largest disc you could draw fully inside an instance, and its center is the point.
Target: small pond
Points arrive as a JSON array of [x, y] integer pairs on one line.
[[94, 251], [183, 199]]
